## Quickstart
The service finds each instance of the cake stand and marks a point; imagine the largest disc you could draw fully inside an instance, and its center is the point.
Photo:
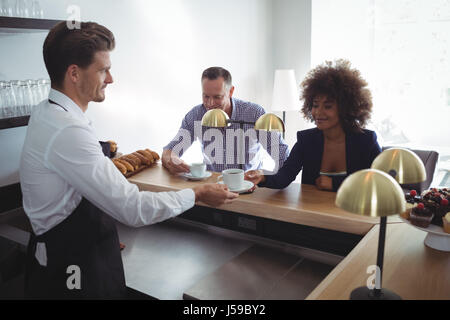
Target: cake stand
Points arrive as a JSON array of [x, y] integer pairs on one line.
[[436, 238]]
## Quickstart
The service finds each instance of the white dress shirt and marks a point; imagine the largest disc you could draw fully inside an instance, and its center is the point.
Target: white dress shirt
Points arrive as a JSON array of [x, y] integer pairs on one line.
[[62, 161]]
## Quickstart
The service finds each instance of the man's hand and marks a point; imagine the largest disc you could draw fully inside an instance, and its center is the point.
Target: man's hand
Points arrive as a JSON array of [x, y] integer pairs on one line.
[[324, 183], [214, 194], [172, 163]]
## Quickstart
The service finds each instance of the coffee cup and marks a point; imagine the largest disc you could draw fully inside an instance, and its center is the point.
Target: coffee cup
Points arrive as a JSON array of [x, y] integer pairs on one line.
[[198, 170], [233, 178]]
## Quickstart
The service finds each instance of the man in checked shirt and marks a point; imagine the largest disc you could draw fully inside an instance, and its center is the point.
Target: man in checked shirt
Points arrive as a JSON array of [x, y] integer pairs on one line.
[[223, 147]]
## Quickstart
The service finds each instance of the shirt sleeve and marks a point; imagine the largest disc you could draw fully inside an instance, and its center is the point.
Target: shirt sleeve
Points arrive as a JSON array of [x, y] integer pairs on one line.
[[185, 135], [288, 171], [76, 156], [374, 149]]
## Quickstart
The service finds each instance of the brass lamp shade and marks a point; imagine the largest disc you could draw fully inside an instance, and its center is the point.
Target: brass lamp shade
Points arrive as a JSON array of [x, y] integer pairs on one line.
[[404, 165], [372, 193], [215, 118], [269, 122]]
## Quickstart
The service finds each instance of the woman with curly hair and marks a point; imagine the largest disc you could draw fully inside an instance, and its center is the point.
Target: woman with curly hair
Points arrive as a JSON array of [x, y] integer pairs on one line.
[[337, 100]]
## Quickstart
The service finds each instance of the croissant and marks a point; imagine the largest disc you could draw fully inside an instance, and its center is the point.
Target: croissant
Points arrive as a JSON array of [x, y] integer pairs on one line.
[[143, 159], [120, 166], [112, 145], [154, 154], [136, 159], [147, 155], [131, 161], [127, 165]]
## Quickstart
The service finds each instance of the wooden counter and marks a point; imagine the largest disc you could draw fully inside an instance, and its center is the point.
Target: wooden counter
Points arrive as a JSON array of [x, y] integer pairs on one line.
[[299, 204], [411, 269]]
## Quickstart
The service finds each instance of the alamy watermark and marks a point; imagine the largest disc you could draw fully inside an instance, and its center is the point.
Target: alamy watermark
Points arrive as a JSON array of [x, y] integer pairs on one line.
[[74, 19], [74, 279], [235, 142], [374, 280]]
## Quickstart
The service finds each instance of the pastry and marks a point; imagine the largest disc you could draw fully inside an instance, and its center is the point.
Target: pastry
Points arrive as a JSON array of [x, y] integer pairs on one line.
[[154, 154], [446, 222], [120, 166], [132, 161], [412, 197], [112, 145], [127, 165], [147, 154], [406, 213], [421, 216], [136, 159], [440, 212], [143, 159]]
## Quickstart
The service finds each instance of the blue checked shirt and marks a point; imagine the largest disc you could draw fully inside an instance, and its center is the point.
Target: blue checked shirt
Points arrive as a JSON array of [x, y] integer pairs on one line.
[[222, 147]]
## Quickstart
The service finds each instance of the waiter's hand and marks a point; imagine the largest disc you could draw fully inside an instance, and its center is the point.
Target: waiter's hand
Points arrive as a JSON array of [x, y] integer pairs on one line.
[[174, 164], [214, 194], [324, 183]]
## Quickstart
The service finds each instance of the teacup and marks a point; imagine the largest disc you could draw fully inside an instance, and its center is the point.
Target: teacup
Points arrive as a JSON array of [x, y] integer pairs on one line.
[[198, 170], [233, 178]]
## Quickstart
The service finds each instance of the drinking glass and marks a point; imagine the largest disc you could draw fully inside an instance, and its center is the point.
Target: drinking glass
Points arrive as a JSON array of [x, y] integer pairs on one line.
[[36, 10], [42, 89], [29, 95], [6, 8], [17, 108], [9, 101], [21, 9], [2, 99]]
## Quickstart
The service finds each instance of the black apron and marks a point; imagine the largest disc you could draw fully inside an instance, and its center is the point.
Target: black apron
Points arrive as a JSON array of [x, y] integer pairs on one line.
[[86, 239]]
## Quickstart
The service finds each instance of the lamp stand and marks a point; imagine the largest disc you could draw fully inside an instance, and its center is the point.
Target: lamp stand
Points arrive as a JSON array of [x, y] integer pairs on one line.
[[284, 121], [364, 293]]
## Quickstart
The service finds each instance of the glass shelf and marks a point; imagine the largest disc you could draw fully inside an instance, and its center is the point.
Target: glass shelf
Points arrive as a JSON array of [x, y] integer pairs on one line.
[[14, 122], [25, 25]]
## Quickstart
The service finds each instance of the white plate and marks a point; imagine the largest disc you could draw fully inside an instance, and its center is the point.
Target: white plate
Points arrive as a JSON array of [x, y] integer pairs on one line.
[[436, 238], [432, 228], [247, 185], [191, 177]]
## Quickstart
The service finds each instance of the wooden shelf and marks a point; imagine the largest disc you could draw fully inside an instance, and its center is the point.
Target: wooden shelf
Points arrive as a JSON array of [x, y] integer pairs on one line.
[[14, 122], [25, 25]]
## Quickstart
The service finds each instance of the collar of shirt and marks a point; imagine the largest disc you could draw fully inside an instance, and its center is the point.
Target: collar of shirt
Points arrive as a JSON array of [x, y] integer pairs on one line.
[[69, 104], [233, 109]]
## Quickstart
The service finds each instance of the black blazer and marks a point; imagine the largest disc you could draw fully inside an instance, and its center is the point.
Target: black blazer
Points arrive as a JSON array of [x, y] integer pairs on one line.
[[361, 149]]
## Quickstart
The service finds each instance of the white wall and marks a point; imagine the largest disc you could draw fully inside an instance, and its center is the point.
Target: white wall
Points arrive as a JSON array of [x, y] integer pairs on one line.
[[291, 40], [162, 47]]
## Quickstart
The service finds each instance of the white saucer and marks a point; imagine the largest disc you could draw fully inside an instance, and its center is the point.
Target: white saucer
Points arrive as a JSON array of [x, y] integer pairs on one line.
[[191, 177], [247, 185]]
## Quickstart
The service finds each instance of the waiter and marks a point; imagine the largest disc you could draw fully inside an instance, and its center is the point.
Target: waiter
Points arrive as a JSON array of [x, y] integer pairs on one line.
[[71, 191]]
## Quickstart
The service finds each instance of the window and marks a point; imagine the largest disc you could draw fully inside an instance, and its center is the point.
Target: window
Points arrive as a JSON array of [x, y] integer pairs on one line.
[[402, 49]]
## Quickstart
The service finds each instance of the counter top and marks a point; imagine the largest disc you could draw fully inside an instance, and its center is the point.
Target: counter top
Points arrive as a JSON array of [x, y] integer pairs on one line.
[[299, 204], [411, 269]]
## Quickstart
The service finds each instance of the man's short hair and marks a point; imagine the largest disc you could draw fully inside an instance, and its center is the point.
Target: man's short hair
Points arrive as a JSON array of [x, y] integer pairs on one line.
[[64, 47], [213, 73]]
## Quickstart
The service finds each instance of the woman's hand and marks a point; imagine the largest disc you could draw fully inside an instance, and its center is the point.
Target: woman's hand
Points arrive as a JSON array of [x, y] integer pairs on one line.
[[255, 176], [324, 183]]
